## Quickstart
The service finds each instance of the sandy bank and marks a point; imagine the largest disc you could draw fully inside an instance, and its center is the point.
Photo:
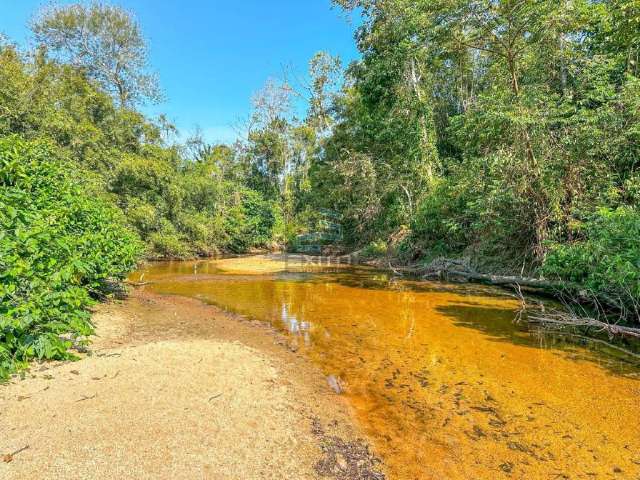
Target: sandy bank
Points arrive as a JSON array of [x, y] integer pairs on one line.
[[176, 389]]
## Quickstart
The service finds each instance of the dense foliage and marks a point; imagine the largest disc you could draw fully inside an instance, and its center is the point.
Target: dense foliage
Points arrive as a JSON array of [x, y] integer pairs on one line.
[[606, 259], [59, 248], [504, 131], [183, 200]]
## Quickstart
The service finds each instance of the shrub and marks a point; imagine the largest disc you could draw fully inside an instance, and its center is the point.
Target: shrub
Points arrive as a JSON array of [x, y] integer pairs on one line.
[[374, 249], [59, 248], [143, 217], [250, 223], [204, 231], [438, 224], [167, 242], [606, 261]]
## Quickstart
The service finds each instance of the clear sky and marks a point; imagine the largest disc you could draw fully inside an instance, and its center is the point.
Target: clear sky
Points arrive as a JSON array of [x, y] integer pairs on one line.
[[213, 55]]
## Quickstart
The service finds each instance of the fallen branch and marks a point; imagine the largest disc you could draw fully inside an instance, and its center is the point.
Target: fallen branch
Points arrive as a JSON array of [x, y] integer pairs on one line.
[[8, 458], [448, 269], [137, 284], [437, 266], [567, 319], [599, 341]]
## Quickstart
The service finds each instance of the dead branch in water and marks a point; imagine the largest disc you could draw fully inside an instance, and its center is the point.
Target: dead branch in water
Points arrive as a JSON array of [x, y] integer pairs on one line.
[[460, 270], [556, 322], [571, 320], [600, 341]]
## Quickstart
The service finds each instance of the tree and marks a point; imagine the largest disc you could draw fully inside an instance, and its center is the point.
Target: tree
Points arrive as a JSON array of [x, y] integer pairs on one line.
[[324, 71], [268, 148], [106, 42], [533, 105]]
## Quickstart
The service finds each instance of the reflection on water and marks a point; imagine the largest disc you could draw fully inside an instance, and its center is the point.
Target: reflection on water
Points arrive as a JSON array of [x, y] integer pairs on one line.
[[295, 327], [441, 378]]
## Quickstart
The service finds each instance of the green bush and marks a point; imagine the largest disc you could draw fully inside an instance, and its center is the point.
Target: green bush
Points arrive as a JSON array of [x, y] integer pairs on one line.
[[439, 224], [250, 223], [143, 217], [374, 249], [167, 242], [205, 232], [606, 261], [59, 249]]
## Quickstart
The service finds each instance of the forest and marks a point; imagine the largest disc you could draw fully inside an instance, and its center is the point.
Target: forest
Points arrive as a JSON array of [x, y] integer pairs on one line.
[[502, 132]]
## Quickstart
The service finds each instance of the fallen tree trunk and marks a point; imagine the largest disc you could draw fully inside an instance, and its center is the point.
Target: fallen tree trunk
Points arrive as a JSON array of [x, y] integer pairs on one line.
[[460, 270], [454, 269], [505, 280]]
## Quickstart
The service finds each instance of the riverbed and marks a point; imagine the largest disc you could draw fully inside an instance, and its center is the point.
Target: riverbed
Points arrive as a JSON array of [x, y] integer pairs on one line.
[[441, 378]]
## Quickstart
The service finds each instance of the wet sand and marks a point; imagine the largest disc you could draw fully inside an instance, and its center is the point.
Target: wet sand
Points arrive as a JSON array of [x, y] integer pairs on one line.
[[173, 388]]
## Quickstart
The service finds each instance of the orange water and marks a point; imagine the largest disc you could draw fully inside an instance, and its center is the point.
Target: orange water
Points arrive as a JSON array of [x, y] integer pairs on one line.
[[442, 380]]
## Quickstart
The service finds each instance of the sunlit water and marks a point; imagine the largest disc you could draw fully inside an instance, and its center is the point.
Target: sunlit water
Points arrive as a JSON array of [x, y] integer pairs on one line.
[[443, 381]]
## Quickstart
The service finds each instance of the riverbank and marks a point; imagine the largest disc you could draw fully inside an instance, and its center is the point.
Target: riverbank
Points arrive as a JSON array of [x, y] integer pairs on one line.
[[173, 388]]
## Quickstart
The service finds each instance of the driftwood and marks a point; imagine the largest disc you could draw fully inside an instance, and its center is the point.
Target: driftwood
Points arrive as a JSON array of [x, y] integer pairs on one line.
[[460, 270], [559, 320], [568, 319]]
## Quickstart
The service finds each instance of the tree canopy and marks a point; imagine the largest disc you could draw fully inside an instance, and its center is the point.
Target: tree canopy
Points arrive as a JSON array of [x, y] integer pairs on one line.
[[105, 41]]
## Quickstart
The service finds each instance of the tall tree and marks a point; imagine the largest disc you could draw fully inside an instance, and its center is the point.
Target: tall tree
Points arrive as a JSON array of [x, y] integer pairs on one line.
[[324, 72], [106, 42]]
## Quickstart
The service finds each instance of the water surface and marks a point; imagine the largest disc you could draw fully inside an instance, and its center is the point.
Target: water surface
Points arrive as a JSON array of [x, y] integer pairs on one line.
[[441, 378]]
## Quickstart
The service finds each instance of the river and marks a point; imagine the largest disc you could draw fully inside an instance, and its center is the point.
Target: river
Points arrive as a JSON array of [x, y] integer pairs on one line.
[[442, 379]]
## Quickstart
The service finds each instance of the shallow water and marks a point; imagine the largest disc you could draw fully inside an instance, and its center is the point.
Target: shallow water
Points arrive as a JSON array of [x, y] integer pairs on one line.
[[441, 378]]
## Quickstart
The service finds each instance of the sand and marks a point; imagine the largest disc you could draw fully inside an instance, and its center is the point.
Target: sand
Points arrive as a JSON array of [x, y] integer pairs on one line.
[[176, 389]]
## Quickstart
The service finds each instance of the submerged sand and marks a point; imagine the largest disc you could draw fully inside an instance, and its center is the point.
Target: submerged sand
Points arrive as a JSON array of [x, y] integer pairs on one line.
[[176, 389]]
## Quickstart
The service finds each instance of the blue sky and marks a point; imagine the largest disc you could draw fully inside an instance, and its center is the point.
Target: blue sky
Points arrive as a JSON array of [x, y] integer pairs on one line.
[[213, 55]]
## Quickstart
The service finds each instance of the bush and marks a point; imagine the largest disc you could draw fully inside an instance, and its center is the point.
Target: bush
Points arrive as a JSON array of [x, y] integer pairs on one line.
[[59, 248], [439, 223], [168, 243], [205, 231], [606, 261], [374, 249], [143, 217], [250, 223]]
